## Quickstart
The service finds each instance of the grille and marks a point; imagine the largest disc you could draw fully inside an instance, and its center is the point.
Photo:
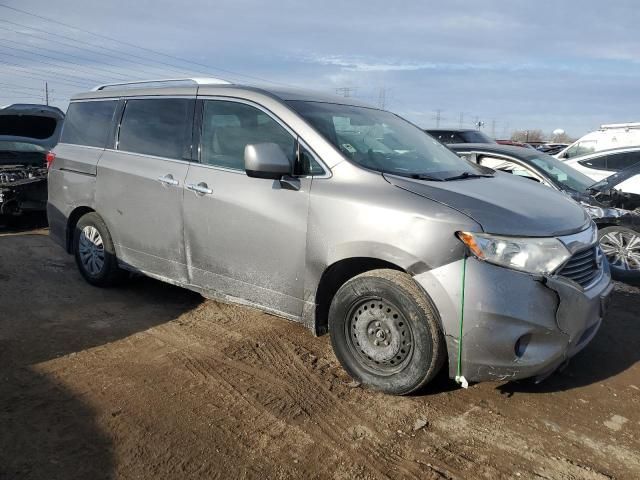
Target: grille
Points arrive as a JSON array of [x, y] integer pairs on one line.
[[582, 267]]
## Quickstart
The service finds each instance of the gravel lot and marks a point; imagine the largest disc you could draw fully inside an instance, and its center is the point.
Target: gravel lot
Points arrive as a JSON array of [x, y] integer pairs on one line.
[[151, 381]]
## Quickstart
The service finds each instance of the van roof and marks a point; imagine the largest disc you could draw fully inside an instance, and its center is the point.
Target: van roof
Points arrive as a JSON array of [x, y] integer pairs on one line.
[[609, 126], [209, 86]]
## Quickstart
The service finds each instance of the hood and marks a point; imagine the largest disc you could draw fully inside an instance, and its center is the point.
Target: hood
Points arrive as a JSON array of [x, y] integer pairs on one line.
[[504, 204]]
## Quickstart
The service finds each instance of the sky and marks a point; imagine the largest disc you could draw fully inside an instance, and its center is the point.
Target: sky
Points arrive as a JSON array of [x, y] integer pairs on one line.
[[513, 65]]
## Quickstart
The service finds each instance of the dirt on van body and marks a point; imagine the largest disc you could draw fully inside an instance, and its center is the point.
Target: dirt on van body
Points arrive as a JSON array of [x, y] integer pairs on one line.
[[150, 381]]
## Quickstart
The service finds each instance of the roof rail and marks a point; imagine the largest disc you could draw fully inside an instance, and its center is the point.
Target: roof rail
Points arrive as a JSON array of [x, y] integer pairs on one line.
[[620, 125], [144, 83]]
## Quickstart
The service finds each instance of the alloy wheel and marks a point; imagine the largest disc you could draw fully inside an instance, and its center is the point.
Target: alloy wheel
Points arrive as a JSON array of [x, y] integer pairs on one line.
[[622, 249]]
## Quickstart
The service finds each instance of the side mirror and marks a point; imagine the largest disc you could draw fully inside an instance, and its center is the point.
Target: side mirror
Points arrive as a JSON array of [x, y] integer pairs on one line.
[[266, 160]]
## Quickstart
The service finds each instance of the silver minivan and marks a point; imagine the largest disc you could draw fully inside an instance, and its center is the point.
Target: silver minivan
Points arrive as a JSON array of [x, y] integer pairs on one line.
[[332, 213]]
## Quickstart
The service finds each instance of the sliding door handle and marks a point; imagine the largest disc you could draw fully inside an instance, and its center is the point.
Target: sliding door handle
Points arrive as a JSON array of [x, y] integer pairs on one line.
[[201, 188], [168, 180]]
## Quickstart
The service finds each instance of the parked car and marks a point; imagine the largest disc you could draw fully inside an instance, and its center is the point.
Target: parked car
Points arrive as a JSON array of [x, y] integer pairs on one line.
[[612, 210], [614, 135], [513, 143], [333, 213], [459, 135], [27, 133], [601, 165], [552, 148]]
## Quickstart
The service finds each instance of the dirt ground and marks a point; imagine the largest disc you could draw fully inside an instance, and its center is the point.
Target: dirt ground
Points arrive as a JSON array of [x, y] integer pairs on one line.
[[150, 381]]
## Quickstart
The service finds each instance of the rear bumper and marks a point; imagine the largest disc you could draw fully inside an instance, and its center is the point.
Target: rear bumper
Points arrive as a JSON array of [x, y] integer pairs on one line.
[[515, 325]]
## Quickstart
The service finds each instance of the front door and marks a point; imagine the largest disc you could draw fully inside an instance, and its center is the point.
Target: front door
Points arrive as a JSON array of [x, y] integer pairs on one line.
[[140, 185], [245, 237]]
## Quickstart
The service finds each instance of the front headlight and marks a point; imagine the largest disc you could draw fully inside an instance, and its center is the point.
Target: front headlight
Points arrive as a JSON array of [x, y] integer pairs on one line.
[[532, 255]]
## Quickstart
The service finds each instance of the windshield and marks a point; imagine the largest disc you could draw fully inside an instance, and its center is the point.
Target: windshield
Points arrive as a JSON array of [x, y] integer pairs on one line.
[[562, 173], [382, 141], [19, 147]]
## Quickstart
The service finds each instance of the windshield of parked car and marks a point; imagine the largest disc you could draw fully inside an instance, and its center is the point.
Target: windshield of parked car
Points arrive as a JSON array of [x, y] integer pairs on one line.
[[562, 173], [19, 147], [379, 140]]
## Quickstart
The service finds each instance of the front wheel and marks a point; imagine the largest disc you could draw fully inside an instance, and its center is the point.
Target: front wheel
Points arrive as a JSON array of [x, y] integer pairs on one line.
[[621, 246], [385, 332]]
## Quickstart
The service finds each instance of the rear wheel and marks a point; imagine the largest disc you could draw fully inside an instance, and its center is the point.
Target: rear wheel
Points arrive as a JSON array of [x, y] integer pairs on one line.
[[385, 332], [621, 246], [94, 252]]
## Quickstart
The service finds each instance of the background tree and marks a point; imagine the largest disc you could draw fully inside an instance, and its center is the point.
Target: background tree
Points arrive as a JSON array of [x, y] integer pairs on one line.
[[563, 137], [526, 136]]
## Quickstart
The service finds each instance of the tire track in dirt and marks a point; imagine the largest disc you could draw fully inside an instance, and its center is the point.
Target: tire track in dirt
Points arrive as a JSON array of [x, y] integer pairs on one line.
[[290, 400]]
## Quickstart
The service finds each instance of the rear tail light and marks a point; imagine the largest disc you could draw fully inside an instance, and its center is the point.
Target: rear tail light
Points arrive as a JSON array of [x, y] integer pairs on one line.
[[50, 157]]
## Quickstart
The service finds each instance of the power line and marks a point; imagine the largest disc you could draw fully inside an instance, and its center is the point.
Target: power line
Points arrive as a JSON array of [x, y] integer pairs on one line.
[[53, 65], [141, 48], [59, 59], [120, 53], [73, 83], [10, 85], [91, 51], [71, 78]]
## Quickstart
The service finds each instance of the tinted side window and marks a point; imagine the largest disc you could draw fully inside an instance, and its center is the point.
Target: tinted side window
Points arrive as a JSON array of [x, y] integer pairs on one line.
[[160, 127], [620, 161], [599, 163], [88, 123], [227, 127]]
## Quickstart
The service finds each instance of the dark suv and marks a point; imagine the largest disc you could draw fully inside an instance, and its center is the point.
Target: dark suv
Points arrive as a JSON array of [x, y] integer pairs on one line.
[[27, 134]]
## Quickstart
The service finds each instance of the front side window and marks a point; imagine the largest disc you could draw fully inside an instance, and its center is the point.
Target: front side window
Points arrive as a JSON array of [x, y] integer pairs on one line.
[[228, 127], [88, 123], [159, 127]]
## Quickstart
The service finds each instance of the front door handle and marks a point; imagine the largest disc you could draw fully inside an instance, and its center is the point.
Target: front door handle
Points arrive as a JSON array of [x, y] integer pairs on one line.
[[201, 188], [168, 180]]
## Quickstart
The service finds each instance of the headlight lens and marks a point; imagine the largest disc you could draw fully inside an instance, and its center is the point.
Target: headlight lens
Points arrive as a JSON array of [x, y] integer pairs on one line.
[[532, 255]]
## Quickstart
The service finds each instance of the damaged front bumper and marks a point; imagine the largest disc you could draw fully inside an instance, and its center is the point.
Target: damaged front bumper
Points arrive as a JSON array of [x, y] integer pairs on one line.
[[516, 325]]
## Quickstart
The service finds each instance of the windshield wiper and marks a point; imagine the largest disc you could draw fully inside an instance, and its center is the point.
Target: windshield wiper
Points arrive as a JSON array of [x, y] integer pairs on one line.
[[465, 175], [424, 176]]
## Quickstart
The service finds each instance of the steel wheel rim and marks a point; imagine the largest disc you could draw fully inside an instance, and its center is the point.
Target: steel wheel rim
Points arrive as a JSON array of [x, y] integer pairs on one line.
[[91, 250], [622, 249], [379, 336]]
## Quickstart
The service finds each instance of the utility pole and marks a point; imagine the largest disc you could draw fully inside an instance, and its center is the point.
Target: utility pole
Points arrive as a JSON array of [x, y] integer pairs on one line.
[[382, 97], [438, 117], [345, 91], [493, 128], [461, 119], [46, 92]]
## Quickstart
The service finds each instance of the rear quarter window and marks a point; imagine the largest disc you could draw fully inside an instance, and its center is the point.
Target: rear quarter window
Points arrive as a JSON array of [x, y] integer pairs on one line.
[[88, 123]]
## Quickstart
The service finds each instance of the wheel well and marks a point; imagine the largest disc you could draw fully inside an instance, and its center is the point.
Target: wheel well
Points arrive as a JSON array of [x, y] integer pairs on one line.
[[72, 222], [334, 277]]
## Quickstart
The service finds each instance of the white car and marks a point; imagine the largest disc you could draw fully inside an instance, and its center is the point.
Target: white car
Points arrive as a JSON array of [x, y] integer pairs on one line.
[[601, 165]]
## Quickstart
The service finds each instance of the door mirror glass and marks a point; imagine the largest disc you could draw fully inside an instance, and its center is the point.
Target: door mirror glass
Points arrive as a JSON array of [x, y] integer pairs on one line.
[[265, 160]]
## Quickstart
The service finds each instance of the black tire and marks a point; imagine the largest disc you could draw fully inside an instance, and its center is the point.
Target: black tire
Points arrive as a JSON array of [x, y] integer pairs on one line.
[[386, 306], [109, 274], [618, 272]]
